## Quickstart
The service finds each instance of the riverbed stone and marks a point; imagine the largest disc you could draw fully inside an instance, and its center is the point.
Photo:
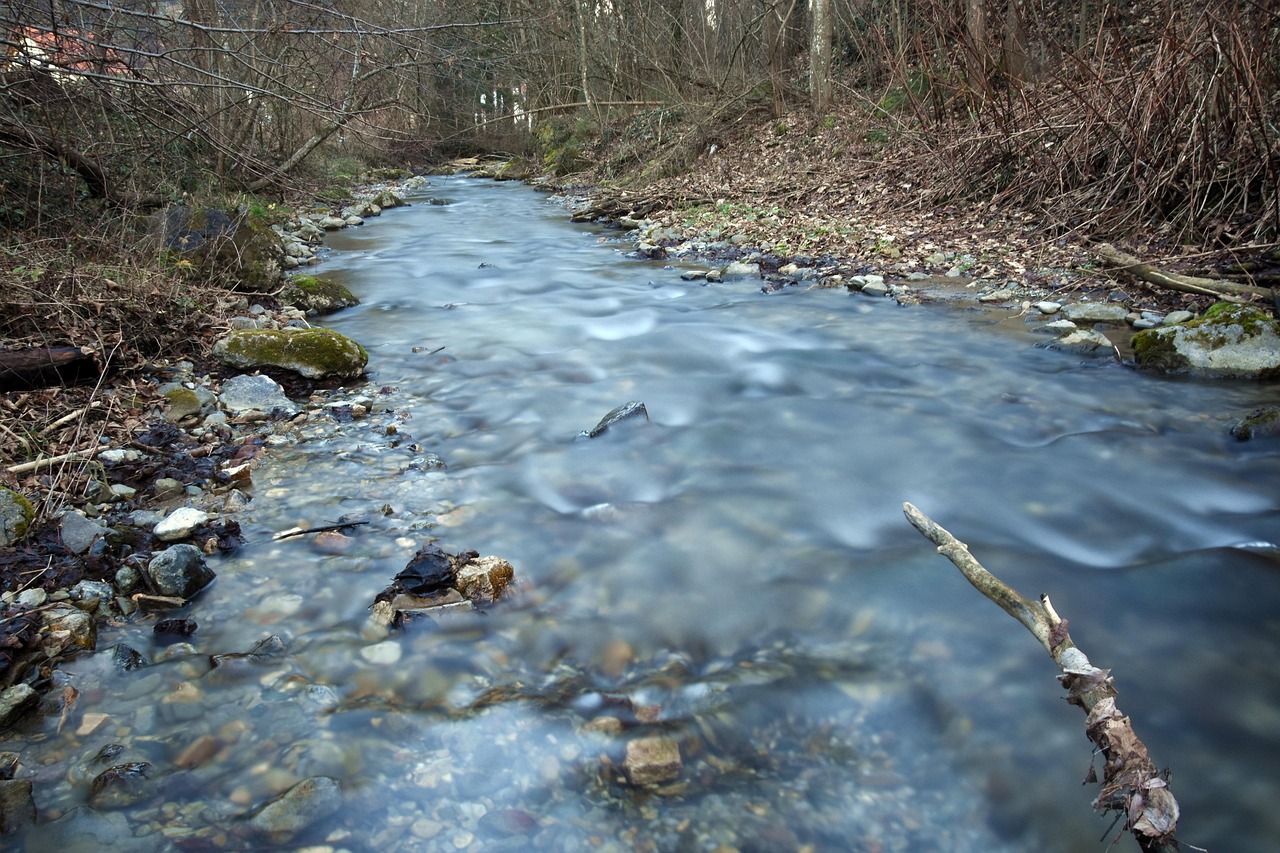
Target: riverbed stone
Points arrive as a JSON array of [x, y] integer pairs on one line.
[[1261, 423], [16, 701], [1229, 341], [1083, 342], [180, 524], [179, 571], [255, 393], [1096, 312], [16, 514], [17, 806], [78, 532], [316, 295], [630, 411], [298, 808], [68, 629], [652, 760], [739, 270], [484, 579], [314, 353], [120, 786]]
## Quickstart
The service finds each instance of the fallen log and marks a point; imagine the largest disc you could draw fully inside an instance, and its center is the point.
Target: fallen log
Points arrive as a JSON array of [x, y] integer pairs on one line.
[[1132, 787], [40, 367], [1229, 290]]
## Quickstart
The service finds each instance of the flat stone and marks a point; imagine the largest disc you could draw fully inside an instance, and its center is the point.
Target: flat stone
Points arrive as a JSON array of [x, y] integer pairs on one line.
[[298, 808], [1096, 312], [255, 393], [739, 270], [79, 533], [652, 760], [179, 524], [1047, 307], [1083, 341], [1173, 318]]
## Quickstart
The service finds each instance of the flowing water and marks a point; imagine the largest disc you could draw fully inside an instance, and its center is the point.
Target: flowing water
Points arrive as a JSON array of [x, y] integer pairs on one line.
[[734, 575]]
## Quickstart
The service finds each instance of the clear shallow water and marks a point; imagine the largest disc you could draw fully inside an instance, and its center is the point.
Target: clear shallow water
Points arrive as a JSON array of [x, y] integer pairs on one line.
[[740, 561]]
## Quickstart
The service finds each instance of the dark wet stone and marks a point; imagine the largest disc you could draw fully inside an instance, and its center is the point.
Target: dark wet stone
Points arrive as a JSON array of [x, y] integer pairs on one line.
[[17, 807], [429, 572], [169, 630], [108, 752], [119, 786], [263, 650], [297, 808], [627, 411], [179, 571], [128, 658]]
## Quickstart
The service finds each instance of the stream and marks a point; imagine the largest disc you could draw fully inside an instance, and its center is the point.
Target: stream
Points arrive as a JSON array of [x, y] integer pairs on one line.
[[734, 575]]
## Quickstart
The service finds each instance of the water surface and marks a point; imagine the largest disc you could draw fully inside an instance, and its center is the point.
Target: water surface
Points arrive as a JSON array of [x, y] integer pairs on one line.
[[735, 574]]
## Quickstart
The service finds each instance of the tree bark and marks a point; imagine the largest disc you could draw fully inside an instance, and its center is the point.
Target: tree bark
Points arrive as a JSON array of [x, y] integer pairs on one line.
[[1113, 257], [820, 56], [1131, 784], [40, 367]]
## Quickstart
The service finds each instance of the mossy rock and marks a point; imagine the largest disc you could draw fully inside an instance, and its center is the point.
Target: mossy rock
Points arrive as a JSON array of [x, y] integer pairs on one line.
[[228, 246], [1230, 340], [16, 515], [313, 353], [515, 169], [317, 295], [1262, 423], [183, 402]]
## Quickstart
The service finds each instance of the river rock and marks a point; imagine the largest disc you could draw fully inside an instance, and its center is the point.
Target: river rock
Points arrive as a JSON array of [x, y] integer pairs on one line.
[[183, 403], [180, 524], [16, 701], [297, 808], [179, 571], [68, 629], [652, 760], [1228, 341], [78, 533], [229, 245], [16, 514], [738, 270], [1083, 342], [256, 393], [1262, 423], [120, 786], [86, 829], [317, 295], [1096, 312], [314, 353], [484, 579], [627, 411], [17, 806]]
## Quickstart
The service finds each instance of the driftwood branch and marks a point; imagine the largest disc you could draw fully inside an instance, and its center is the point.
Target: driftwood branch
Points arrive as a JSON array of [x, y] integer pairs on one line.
[[1230, 290], [39, 367], [289, 534], [1132, 786]]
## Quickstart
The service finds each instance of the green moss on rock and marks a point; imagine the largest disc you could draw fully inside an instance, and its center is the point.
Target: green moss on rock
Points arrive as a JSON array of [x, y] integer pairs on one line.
[[317, 295], [313, 353], [16, 515], [1230, 340], [1262, 423], [182, 403]]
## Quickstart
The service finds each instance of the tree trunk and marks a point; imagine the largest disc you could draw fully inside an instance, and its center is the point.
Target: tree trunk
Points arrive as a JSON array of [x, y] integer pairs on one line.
[[820, 56], [40, 367]]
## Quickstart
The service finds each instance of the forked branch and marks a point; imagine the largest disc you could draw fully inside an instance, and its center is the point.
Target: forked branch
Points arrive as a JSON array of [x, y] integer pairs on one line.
[[1131, 784]]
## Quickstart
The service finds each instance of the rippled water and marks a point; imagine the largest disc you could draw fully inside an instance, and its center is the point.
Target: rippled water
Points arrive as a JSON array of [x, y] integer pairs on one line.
[[735, 575]]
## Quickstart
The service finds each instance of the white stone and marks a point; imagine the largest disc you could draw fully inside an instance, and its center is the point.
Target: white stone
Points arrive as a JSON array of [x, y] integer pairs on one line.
[[382, 654], [180, 523]]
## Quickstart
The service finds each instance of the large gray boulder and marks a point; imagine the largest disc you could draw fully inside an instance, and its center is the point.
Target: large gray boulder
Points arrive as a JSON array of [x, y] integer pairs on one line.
[[313, 353], [1228, 341], [233, 245]]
